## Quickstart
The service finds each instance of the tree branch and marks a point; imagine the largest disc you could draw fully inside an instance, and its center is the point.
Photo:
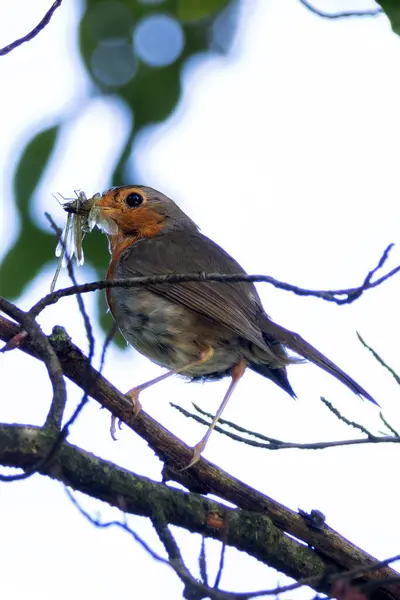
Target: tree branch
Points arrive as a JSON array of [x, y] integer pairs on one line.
[[379, 359], [275, 444], [91, 342], [194, 590], [373, 12], [58, 402], [342, 296], [254, 533], [340, 588], [29, 36], [47, 354], [203, 477]]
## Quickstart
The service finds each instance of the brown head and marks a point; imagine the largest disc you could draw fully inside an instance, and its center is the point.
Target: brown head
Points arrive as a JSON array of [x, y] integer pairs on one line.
[[142, 212], [139, 212]]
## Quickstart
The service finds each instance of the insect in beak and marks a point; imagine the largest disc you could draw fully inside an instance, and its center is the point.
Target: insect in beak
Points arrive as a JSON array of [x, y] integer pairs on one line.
[[83, 215]]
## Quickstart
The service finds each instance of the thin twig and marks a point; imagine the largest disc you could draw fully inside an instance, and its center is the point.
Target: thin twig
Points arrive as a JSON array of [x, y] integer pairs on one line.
[[372, 12], [71, 274], [281, 445], [122, 525], [380, 264], [379, 359], [341, 417], [88, 329], [389, 426], [175, 558], [222, 555], [235, 426], [343, 296], [29, 36], [161, 526], [203, 561], [107, 342], [351, 574]]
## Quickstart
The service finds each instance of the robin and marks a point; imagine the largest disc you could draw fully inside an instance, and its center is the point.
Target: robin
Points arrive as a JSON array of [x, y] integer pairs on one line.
[[202, 330]]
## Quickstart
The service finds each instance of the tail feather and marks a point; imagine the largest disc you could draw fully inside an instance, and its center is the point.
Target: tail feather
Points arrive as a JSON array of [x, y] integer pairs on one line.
[[278, 376], [295, 342]]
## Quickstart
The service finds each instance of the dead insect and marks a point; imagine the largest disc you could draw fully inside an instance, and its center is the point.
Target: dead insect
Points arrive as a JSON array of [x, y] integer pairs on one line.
[[83, 215], [70, 242]]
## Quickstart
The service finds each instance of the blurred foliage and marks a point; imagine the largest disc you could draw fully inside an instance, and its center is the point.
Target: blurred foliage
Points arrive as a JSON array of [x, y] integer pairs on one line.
[[392, 10], [133, 50], [20, 266]]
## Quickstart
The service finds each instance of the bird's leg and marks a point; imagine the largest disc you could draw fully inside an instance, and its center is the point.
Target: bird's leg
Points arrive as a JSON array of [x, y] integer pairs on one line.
[[237, 373], [133, 394]]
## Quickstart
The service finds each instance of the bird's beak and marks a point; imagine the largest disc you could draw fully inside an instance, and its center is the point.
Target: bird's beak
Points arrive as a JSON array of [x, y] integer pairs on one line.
[[103, 204]]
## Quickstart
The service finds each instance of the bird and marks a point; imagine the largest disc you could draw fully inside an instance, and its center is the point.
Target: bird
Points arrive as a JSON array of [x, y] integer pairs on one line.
[[203, 330]]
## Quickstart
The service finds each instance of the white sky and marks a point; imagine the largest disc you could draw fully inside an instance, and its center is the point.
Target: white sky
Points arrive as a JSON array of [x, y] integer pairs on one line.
[[286, 153]]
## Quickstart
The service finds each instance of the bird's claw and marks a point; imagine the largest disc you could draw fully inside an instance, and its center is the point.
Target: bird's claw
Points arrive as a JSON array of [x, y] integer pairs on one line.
[[197, 450], [113, 428], [133, 396], [15, 341]]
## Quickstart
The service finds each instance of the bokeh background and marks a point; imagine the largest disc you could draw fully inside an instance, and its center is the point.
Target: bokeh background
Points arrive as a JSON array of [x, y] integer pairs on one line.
[[278, 132]]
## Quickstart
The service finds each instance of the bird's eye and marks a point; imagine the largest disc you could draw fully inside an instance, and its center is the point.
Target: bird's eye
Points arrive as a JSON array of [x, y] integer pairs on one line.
[[133, 200]]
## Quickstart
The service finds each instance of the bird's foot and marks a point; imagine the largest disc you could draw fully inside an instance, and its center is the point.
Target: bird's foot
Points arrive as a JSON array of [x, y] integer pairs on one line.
[[113, 428], [15, 341], [133, 395], [197, 450]]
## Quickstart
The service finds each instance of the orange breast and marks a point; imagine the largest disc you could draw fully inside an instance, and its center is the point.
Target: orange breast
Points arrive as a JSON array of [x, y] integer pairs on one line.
[[118, 243], [145, 223]]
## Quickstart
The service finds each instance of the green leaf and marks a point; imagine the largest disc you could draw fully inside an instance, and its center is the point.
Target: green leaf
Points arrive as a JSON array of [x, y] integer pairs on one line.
[[31, 166], [194, 10], [151, 94], [392, 10], [33, 249]]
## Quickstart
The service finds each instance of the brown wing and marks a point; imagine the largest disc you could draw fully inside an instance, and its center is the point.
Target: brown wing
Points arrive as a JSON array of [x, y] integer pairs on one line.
[[236, 306]]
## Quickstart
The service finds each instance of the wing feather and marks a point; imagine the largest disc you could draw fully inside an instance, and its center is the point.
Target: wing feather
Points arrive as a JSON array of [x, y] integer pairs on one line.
[[236, 306]]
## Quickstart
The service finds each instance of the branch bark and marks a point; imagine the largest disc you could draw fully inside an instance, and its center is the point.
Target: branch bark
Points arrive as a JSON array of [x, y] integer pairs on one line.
[[254, 533], [205, 477], [29, 36]]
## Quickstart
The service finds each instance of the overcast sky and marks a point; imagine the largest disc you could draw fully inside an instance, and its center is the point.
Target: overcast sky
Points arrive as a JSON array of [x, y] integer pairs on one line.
[[286, 153]]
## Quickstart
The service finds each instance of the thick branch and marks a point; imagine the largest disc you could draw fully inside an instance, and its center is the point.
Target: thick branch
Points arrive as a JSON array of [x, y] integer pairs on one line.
[[254, 533], [46, 353], [204, 477]]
